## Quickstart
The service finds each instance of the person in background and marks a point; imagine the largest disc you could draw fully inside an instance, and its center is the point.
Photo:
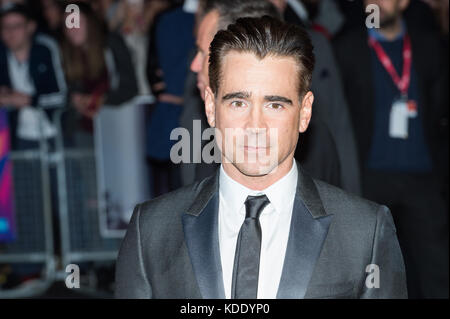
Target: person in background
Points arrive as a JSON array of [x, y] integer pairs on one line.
[[171, 40], [52, 12], [328, 17], [133, 22], [32, 88], [31, 77], [107, 10], [97, 65], [393, 81], [135, 14], [331, 105], [132, 19]]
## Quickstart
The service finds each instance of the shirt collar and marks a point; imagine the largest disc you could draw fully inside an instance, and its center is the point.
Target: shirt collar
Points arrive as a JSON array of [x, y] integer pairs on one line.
[[12, 60], [279, 193]]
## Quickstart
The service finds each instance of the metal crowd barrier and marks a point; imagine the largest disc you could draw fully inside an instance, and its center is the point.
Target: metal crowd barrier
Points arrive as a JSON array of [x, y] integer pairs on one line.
[[81, 240], [76, 210], [34, 225]]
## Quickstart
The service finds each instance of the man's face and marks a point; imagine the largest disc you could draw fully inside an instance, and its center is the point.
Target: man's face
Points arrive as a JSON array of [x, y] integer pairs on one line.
[[206, 31], [390, 10], [257, 112], [16, 31]]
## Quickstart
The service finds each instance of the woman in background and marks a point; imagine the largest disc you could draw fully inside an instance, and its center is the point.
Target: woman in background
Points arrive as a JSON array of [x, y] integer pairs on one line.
[[98, 65]]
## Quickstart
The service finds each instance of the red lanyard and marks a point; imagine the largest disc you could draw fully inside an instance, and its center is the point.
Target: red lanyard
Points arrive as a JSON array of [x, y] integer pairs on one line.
[[403, 82]]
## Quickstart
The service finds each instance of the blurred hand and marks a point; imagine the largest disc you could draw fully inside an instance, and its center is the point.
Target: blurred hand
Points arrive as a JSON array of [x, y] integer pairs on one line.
[[81, 102], [170, 98], [86, 104], [4, 90], [14, 98]]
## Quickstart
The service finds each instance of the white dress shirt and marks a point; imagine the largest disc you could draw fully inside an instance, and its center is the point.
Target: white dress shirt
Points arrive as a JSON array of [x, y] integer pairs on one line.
[[275, 222]]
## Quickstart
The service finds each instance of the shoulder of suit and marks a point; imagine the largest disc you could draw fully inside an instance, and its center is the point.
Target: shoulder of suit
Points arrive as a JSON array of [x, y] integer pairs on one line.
[[171, 204], [342, 203]]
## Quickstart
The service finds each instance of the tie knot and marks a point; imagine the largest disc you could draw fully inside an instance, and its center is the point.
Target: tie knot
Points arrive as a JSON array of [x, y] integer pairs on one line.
[[254, 205]]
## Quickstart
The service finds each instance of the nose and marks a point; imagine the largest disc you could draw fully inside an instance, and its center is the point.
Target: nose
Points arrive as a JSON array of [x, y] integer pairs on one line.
[[256, 120], [196, 65]]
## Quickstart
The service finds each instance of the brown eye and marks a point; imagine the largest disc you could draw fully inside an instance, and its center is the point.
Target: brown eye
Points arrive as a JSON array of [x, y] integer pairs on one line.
[[276, 106], [238, 104]]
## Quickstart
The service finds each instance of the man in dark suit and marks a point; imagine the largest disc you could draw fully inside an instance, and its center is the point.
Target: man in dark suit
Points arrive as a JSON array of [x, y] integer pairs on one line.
[[400, 116], [260, 227]]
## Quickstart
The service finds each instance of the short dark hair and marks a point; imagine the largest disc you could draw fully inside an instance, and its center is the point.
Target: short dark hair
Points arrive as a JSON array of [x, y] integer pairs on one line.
[[263, 37], [231, 10], [16, 8]]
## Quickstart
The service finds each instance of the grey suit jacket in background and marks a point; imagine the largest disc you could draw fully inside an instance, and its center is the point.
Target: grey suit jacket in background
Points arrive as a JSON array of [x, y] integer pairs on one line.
[[171, 249], [331, 106]]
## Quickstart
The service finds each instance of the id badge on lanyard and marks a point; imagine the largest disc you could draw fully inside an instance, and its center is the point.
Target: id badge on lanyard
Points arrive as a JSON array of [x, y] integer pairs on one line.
[[402, 108], [401, 111]]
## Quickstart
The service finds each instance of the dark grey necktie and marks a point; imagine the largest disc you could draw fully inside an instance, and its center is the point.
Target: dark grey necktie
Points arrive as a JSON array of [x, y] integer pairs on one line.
[[248, 248]]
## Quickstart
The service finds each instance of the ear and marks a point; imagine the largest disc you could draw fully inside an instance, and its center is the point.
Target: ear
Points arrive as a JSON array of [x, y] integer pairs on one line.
[[210, 107], [306, 111]]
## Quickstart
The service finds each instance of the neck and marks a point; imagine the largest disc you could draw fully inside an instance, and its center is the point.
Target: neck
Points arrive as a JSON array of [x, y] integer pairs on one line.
[[22, 53], [259, 182], [392, 30]]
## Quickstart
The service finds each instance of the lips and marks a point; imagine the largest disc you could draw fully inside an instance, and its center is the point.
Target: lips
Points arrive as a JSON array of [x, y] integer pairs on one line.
[[255, 148]]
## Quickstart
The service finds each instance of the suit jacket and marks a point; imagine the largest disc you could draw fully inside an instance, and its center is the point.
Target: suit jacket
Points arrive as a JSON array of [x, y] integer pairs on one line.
[[171, 249]]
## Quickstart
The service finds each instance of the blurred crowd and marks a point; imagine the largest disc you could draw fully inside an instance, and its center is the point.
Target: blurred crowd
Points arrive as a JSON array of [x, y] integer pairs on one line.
[[125, 49]]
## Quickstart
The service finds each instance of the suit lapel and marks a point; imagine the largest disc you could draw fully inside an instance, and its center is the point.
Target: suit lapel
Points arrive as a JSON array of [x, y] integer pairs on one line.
[[308, 230], [200, 225]]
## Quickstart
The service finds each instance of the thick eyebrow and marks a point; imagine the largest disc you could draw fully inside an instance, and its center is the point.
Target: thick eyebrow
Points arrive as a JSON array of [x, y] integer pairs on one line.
[[246, 95], [277, 98], [236, 95]]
